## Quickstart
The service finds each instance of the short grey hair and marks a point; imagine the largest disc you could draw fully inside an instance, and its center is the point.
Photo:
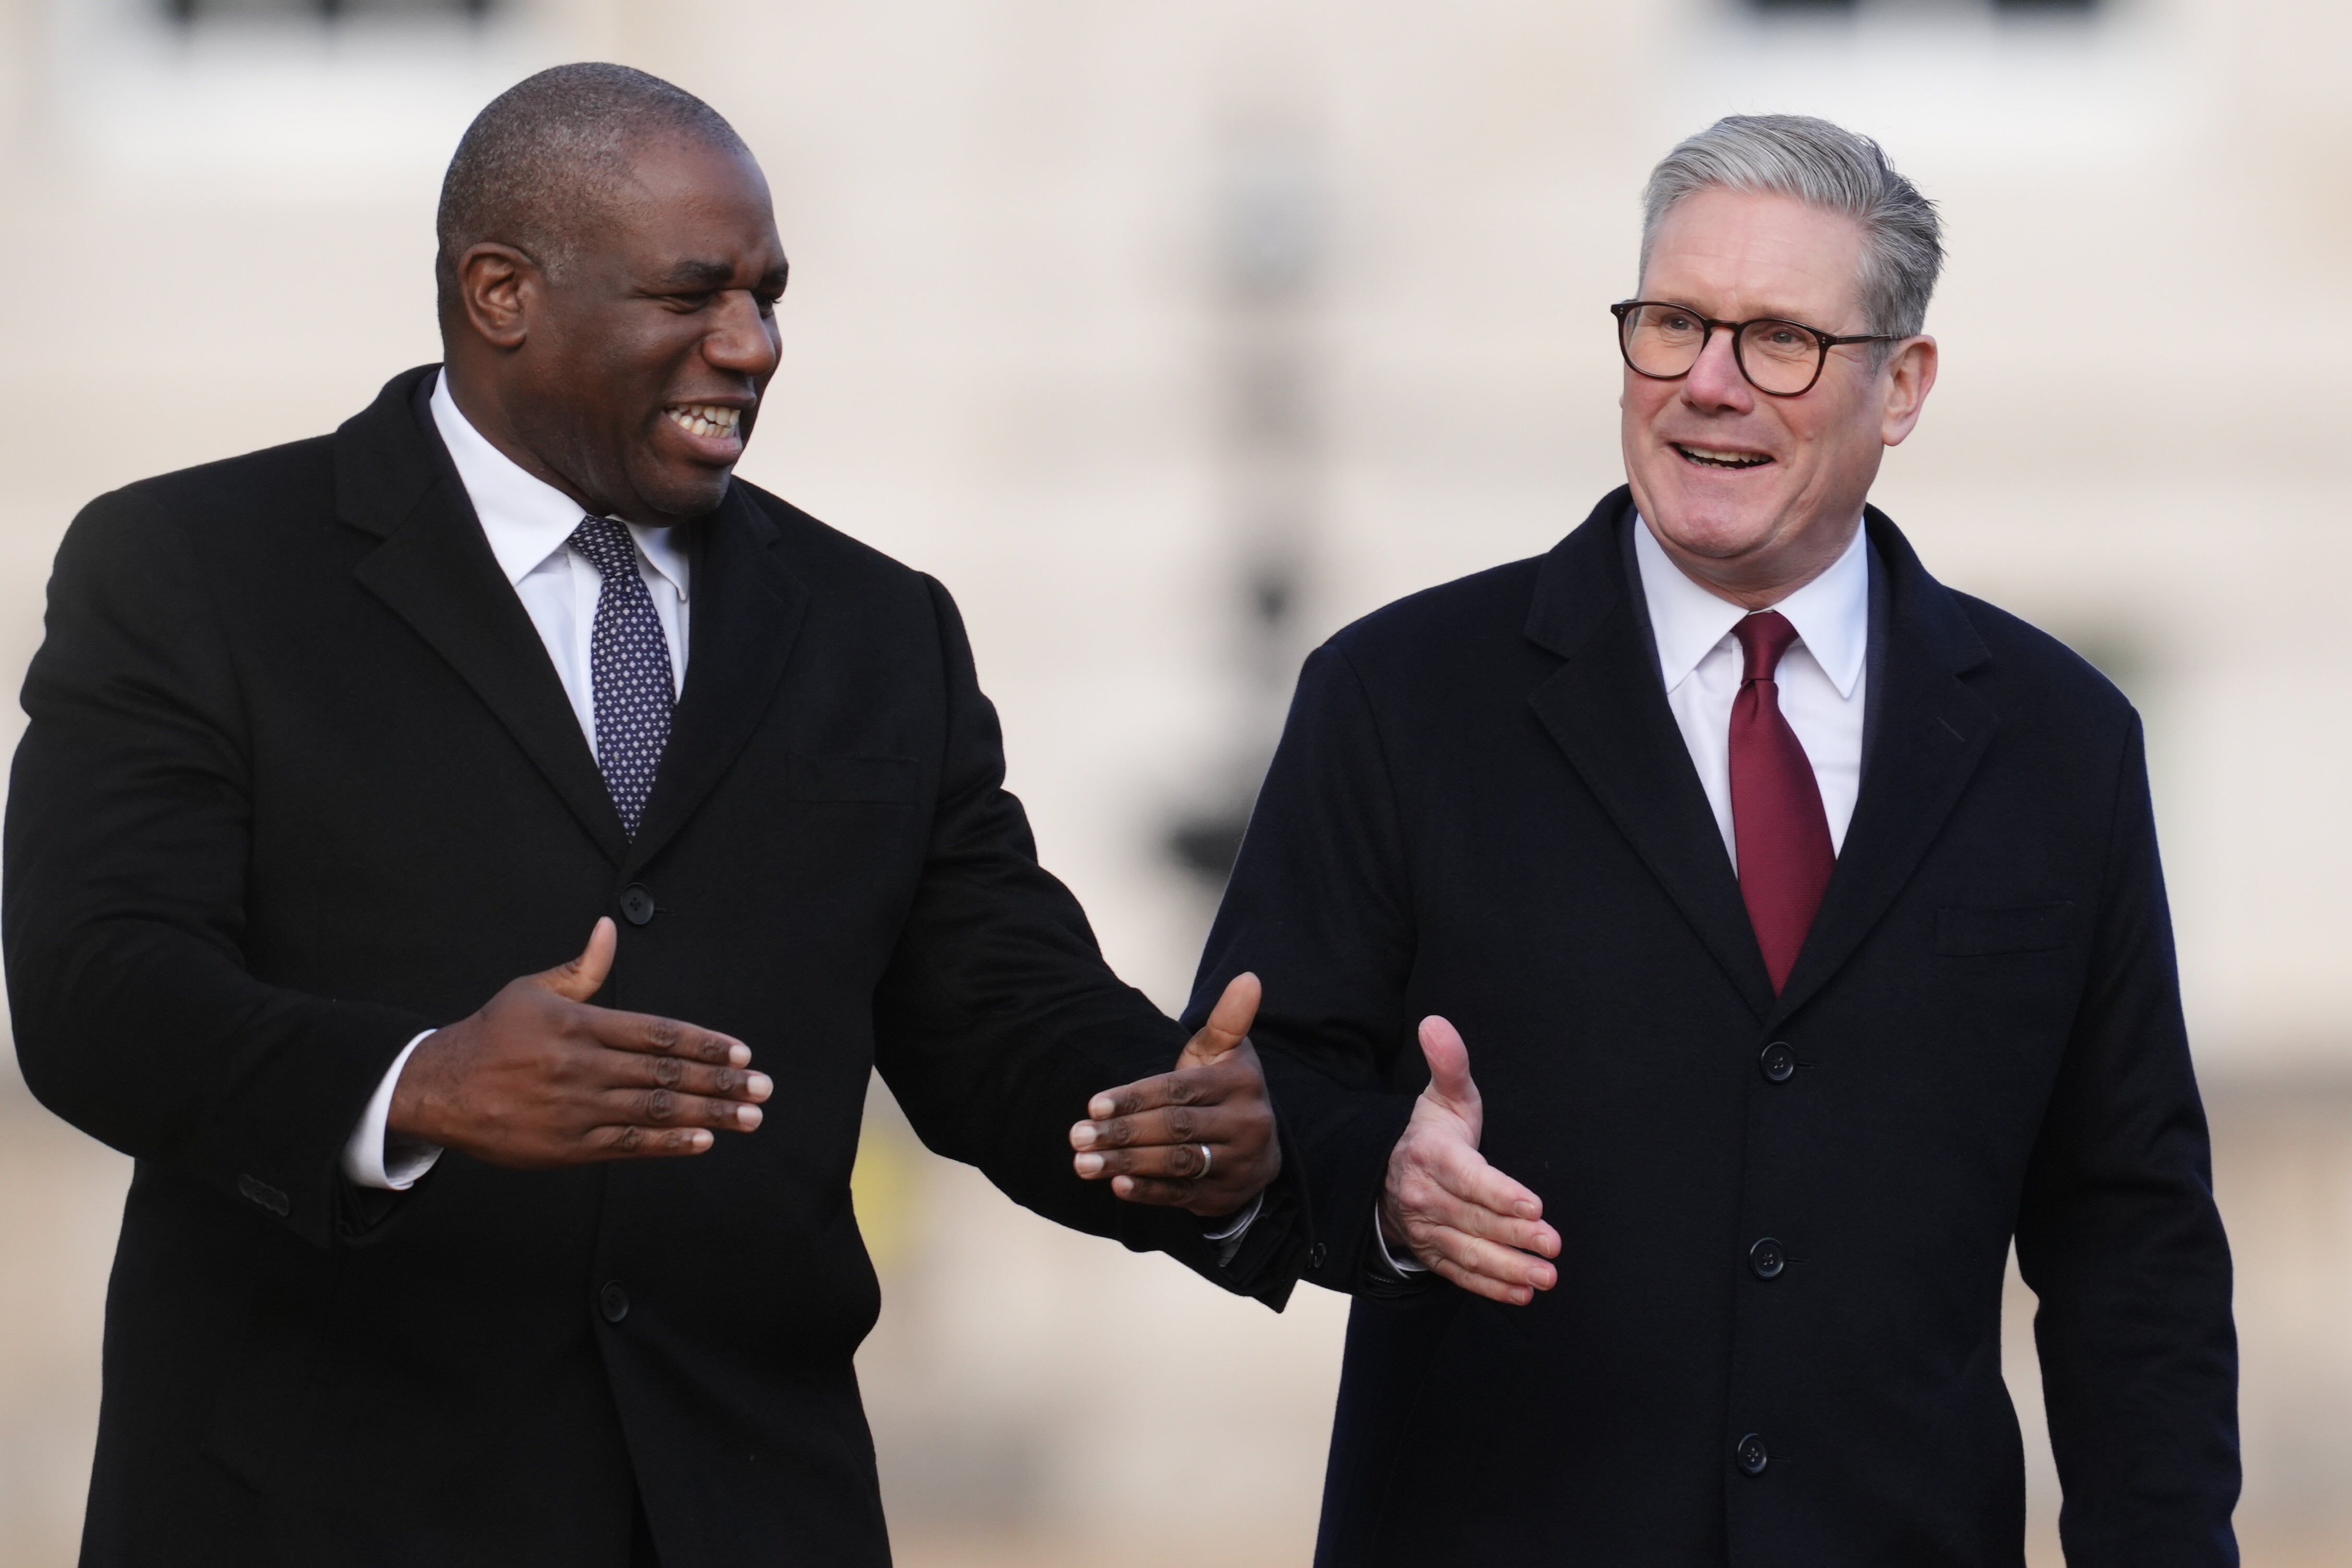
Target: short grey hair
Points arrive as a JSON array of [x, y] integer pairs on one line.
[[549, 156], [1824, 167]]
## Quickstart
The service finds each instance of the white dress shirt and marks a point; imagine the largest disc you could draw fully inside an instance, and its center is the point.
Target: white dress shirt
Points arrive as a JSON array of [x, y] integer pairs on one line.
[[528, 523], [1821, 679]]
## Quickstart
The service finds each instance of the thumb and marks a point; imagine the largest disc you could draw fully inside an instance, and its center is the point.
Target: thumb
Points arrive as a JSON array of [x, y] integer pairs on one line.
[[584, 975], [1229, 1022], [1449, 1069]]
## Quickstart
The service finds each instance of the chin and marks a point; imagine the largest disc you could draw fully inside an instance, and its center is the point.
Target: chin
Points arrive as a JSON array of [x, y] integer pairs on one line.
[[682, 496], [1713, 526]]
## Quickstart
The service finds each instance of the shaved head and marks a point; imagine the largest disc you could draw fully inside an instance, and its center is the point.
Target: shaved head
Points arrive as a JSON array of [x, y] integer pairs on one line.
[[548, 160]]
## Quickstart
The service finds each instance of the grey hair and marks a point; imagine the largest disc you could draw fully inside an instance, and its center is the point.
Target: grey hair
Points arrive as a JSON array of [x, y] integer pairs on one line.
[[549, 156], [1824, 167]]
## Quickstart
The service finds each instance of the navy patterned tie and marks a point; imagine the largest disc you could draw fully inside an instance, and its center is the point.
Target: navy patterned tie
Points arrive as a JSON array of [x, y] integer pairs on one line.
[[628, 661]]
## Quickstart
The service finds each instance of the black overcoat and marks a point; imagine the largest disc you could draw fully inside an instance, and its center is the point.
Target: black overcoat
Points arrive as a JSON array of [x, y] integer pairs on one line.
[[1482, 808], [300, 781]]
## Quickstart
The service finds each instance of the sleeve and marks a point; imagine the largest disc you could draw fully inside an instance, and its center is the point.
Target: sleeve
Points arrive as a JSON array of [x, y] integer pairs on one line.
[[1320, 908], [2118, 1236], [127, 828], [997, 1019], [373, 1158]]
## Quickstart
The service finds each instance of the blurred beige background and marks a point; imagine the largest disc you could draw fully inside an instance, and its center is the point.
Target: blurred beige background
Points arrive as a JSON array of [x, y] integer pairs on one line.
[[1173, 336]]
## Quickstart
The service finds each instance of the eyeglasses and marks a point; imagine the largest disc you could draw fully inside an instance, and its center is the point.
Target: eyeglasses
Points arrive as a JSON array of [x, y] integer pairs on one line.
[[1779, 359]]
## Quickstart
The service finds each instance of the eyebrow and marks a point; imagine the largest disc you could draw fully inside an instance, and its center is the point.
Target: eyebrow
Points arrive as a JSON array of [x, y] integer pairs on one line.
[[712, 275]]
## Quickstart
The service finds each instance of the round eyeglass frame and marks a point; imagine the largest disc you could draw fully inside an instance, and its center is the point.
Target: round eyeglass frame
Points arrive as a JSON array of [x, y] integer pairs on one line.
[[1823, 342]]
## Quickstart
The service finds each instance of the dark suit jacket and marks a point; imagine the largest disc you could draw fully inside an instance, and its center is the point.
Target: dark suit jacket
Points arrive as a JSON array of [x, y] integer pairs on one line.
[[300, 781], [1482, 808]]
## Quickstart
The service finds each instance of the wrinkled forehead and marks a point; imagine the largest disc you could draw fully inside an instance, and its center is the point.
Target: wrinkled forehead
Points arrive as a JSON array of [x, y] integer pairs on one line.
[[1736, 254]]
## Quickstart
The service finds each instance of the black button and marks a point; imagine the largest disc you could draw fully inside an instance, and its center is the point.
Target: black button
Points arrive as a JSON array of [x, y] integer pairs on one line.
[[1751, 1454], [1315, 1255], [613, 1301], [1779, 1062], [637, 903], [1767, 1258]]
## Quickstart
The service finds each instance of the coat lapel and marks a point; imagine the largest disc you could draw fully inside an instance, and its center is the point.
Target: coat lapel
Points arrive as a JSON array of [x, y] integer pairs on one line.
[[747, 610], [1930, 732], [1604, 707], [434, 570]]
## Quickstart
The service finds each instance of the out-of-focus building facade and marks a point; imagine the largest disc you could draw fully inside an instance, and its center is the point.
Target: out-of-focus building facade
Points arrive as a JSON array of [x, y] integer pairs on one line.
[[1173, 337]]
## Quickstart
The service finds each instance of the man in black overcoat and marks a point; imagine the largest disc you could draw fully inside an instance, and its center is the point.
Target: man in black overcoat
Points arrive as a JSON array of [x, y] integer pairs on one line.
[[1802, 921], [423, 1264]]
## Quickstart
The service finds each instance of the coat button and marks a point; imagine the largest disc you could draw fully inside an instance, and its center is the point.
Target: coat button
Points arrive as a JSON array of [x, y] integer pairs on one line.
[[1779, 1062], [637, 903], [1750, 1455], [1315, 1255], [1767, 1258], [613, 1301]]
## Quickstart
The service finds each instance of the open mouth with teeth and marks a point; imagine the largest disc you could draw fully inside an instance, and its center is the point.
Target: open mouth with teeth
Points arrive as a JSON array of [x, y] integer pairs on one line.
[[705, 419], [1716, 458]]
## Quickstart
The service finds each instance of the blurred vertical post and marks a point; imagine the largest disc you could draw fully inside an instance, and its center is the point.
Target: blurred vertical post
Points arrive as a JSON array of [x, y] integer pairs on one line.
[[1271, 229]]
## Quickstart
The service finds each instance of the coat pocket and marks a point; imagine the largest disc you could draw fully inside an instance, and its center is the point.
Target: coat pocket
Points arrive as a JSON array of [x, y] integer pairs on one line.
[[2020, 928], [882, 781]]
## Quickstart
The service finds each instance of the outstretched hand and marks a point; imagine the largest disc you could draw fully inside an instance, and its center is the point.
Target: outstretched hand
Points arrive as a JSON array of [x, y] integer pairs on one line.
[[1201, 1138], [1461, 1217], [538, 1078]]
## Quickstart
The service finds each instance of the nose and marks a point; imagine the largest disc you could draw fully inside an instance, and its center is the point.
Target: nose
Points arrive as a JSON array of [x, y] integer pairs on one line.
[[743, 341], [1715, 381]]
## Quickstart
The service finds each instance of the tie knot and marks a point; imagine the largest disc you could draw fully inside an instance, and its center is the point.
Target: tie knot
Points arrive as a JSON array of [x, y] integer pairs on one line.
[[605, 543], [1763, 639]]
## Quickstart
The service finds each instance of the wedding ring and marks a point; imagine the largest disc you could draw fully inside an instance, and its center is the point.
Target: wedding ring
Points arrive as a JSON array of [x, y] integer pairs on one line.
[[1202, 1174]]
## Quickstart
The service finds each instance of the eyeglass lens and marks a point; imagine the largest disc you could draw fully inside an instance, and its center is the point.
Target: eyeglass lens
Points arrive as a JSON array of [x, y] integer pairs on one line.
[[1777, 356]]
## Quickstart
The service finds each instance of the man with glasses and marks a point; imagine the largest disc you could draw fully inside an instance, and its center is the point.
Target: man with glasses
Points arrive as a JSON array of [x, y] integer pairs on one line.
[[1802, 921]]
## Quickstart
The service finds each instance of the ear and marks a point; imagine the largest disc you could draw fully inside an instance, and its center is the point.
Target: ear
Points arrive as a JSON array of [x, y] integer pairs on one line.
[[1910, 375], [497, 288]]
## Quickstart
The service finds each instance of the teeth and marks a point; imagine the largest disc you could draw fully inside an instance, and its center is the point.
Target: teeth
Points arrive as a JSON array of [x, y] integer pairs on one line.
[[1717, 459], [705, 418]]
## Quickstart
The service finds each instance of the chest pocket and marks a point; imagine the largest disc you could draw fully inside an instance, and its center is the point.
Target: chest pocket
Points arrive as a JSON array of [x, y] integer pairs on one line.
[[2020, 928], [881, 781]]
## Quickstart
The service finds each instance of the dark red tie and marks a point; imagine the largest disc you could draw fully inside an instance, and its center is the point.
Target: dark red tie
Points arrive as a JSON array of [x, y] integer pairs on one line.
[[1785, 858]]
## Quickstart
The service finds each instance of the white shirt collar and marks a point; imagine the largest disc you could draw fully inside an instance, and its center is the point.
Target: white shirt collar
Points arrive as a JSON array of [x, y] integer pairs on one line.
[[1832, 613], [526, 519]]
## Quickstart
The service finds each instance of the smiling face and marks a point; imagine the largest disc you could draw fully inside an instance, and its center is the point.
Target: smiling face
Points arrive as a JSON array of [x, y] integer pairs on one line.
[[1754, 496], [633, 379]]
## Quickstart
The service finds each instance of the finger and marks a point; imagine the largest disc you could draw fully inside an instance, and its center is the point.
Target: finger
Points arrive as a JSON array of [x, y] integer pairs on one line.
[[584, 975], [629, 1141], [1449, 1065], [637, 1069], [1465, 1177], [1442, 1211], [1200, 1197], [662, 1107], [662, 1037], [1177, 1161], [1206, 1123], [1189, 1086], [1509, 1294], [1229, 1022], [1472, 1256]]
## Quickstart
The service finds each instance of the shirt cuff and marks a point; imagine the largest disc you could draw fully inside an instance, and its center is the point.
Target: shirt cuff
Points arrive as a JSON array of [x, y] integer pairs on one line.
[[1403, 1268], [372, 1158], [1228, 1240]]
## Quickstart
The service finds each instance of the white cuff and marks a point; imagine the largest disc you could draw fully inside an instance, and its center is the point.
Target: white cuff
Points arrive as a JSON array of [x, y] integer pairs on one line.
[[1408, 1264], [1228, 1241], [1238, 1224], [368, 1159]]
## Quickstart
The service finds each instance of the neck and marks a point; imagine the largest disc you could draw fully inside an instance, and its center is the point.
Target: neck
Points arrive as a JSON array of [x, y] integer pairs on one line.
[[480, 399], [1755, 585]]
